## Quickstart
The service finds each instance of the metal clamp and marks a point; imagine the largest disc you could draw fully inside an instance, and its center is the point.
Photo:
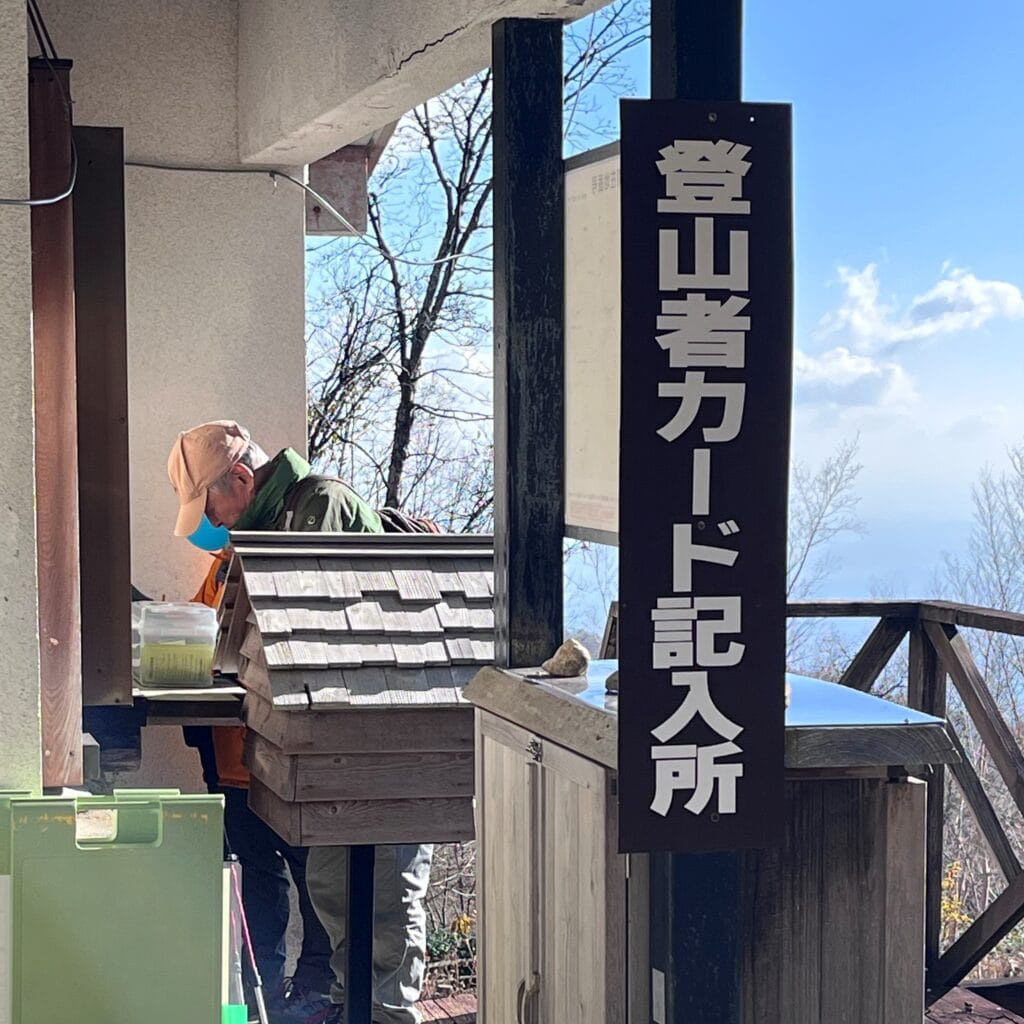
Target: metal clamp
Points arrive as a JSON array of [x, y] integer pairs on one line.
[[523, 996], [535, 749]]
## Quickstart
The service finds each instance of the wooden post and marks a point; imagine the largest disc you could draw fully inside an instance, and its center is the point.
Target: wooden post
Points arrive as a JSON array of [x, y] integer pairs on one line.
[[696, 916], [359, 941], [696, 50], [56, 424], [529, 450], [102, 349], [927, 692]]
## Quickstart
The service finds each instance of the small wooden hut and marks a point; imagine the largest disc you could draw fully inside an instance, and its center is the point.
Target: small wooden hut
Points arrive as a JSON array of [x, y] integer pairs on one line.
[[354, 650]]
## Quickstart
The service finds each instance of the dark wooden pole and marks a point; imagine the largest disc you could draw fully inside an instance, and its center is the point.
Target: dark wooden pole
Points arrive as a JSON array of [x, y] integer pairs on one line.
[[696, 899], [926, 691], [359, 947], [56, 423], [102, 350], [529, 362], [696, 48]]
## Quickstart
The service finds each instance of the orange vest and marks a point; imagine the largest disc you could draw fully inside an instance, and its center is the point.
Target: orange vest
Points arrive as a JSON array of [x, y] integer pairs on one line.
[[228, 740]]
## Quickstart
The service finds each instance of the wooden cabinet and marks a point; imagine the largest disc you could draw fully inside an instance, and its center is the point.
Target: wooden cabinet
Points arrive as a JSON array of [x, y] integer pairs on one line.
[[552, 889]]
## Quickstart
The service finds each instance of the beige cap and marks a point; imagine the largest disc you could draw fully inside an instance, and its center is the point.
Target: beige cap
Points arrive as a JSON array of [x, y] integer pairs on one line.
[[199, 458]]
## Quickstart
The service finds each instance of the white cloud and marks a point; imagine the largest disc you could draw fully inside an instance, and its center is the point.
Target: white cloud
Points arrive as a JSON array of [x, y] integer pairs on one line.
[[840, 377], [959, 301]]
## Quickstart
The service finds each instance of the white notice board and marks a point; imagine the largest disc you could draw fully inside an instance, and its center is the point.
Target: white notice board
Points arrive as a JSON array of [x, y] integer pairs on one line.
[[592, 286]]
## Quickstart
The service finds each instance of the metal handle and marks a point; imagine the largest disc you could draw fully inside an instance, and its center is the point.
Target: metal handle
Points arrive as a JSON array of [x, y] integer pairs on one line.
[[528, 1004], [520, 997]]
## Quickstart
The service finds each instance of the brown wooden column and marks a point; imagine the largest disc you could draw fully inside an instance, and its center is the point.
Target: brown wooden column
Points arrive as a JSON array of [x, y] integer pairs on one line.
[[102, 347], [56, 445]]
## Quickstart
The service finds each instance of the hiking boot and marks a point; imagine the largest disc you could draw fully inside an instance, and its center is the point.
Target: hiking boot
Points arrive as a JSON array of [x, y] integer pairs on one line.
[[306, 1008]]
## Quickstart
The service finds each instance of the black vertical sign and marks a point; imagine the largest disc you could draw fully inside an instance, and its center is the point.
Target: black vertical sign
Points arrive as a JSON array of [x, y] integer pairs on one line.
[[706, 379]]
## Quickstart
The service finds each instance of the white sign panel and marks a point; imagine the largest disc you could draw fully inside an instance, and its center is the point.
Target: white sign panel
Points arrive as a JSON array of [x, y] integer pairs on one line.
[[592, 287]]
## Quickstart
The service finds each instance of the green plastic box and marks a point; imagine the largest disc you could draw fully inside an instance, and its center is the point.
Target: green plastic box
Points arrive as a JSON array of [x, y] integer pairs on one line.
[[123, 927]]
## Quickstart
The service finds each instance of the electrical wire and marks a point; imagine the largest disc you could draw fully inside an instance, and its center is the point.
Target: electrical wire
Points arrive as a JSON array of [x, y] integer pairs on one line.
[[274, 175], [42, 33], [44, 40], [154, 165]]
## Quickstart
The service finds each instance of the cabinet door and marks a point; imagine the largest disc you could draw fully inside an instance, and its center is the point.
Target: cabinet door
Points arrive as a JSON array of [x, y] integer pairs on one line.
[[507, 827], [583, 948]]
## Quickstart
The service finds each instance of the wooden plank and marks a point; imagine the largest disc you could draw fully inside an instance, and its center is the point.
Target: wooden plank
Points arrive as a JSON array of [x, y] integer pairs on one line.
[[983, 811], [300, 577], [866, 745], [102, 372], [341, 578], [272, 621], [974, 617], [341, 544], [906, 811], [956, 659], [529, 301], [963, 1006], [542, 708], [507, 869], [454, 613], [875, 653], [283, 817], [416, 584], [365, 617], [56, 426], [1001, 916], [853, 609], [853, 903], [382, 776], [638, 925], [926, 691], [615, 947], [361, 730], [275, 769], [354, 822]]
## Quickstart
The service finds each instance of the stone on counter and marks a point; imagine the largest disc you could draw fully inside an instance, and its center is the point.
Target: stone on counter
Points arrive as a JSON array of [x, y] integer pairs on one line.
[[571, 659]]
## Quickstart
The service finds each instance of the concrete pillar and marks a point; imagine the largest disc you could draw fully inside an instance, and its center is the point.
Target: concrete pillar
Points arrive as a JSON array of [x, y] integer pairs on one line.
[[20, 756]]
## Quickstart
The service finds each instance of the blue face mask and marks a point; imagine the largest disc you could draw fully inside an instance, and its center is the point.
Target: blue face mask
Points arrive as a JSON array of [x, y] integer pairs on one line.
[[209, 537]]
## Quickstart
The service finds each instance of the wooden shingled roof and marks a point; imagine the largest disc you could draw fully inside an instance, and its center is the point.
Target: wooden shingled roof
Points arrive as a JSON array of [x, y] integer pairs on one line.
[[318, 621]]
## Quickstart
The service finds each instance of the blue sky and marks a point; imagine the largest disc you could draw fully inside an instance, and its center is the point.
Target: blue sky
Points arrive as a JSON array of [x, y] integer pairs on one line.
[[909, 317], [909, 243], [909, 255]]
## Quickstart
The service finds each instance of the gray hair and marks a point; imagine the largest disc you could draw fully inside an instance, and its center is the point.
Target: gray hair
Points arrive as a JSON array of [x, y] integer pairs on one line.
[[254, 457]]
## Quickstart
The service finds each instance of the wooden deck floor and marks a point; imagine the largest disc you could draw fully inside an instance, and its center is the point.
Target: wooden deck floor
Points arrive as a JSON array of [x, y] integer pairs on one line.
[[457, 1009], [963, 1007]]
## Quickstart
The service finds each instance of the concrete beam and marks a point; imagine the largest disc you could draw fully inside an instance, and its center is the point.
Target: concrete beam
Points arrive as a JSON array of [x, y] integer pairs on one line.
[[20, 755], [316, 76]]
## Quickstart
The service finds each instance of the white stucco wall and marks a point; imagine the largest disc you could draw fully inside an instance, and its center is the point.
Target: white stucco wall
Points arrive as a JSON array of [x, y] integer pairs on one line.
[[215, 262], [20, 760], [215, 276], [316, 75]]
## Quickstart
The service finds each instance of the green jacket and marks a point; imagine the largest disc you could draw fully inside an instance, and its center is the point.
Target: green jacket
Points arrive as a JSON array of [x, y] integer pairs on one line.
[[327, 506]]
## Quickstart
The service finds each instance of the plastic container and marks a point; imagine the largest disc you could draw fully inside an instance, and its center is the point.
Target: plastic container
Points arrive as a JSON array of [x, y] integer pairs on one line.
[[172, 643]]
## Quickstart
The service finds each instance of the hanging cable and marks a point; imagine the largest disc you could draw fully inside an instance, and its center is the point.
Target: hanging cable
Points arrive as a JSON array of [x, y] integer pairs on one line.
[[46, 43], [41, 31], [154, 165]]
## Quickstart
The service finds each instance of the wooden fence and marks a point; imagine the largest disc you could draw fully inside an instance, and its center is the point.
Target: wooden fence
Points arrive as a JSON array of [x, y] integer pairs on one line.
[[939, 653]]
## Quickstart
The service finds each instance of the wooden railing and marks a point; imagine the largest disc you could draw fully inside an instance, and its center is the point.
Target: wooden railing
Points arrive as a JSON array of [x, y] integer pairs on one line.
[[937, 653]]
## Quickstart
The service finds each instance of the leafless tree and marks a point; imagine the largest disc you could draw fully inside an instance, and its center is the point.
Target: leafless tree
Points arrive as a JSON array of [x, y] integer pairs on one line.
[[400, 322], [822, 507]]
